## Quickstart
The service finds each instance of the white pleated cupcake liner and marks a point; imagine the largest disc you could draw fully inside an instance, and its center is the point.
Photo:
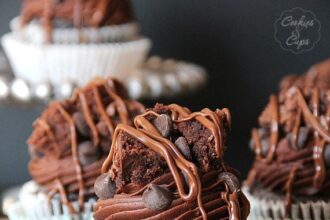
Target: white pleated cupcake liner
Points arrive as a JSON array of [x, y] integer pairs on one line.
[[35, 33], [267, 209], [34, 205], [77, 63]]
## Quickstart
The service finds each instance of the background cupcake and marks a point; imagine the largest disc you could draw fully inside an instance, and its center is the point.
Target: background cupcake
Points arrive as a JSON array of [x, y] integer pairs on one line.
[[57, 41], [290, 177], [169, 165], [68, 146]]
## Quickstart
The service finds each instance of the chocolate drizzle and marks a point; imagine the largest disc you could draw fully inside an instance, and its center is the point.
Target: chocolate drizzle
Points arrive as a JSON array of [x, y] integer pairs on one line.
[[298, 121], [77, 13], [147, 134], [92, 102]]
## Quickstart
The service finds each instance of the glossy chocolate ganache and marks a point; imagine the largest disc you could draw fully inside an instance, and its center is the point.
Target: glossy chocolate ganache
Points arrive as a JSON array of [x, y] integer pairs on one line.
[[76, 13], [72, 138], [292, 144], [169, 165]]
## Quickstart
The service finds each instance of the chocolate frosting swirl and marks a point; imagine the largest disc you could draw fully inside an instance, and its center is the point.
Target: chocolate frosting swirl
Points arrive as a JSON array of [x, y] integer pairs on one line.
[[200, 195], [217, 204], [78, 13], [292, 142], [67, 151]]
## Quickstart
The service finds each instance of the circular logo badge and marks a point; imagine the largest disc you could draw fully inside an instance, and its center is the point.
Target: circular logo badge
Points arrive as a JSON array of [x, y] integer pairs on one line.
[[297, 30]]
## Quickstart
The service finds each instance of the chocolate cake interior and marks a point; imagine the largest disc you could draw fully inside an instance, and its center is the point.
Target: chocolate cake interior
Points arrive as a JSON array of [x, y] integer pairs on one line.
[[137, 164]]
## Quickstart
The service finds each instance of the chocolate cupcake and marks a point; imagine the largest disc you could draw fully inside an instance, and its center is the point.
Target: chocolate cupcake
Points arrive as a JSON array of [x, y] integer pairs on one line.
[[170, 165], [67, 40], [290, 178], [69, 143], [50, 15]]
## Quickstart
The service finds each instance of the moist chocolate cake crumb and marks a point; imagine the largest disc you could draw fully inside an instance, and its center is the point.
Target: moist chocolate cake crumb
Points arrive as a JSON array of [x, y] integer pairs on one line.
[[201, 143], [138, 164], [199, 138], [135, 163]]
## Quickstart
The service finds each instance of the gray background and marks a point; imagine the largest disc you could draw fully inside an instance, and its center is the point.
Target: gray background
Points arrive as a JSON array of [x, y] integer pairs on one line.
[[233, 39]]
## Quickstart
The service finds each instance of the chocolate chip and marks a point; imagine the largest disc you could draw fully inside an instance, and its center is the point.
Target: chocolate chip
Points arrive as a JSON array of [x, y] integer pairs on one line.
[[263, 132], [264, 147], [80, 123], [264, 141], [185, 178], [302, 137], [88, 153], [183, 146], [104, 187], [157, 198], [230, 180], [327, 155], [164, 124], [102, 128]]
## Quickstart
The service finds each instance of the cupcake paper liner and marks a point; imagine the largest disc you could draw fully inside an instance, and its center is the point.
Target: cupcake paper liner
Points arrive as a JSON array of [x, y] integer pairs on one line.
[[33, 205], [78, 63], [34, 33], [8, 198], [267, 209]]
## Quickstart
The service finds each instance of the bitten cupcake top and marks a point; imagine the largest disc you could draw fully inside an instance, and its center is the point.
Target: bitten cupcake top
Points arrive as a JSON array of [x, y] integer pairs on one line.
[[292, 143], [76, 13], [72, 138], [169, 165]]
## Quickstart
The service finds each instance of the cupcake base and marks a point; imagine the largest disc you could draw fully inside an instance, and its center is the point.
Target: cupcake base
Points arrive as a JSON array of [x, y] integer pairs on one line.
[[34, 205], [271, 207], [77, 63]]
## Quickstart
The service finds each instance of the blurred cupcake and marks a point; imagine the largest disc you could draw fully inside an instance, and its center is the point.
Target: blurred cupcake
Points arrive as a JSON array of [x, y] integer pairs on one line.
[[290, 178], [69, 143], [54, 41]]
